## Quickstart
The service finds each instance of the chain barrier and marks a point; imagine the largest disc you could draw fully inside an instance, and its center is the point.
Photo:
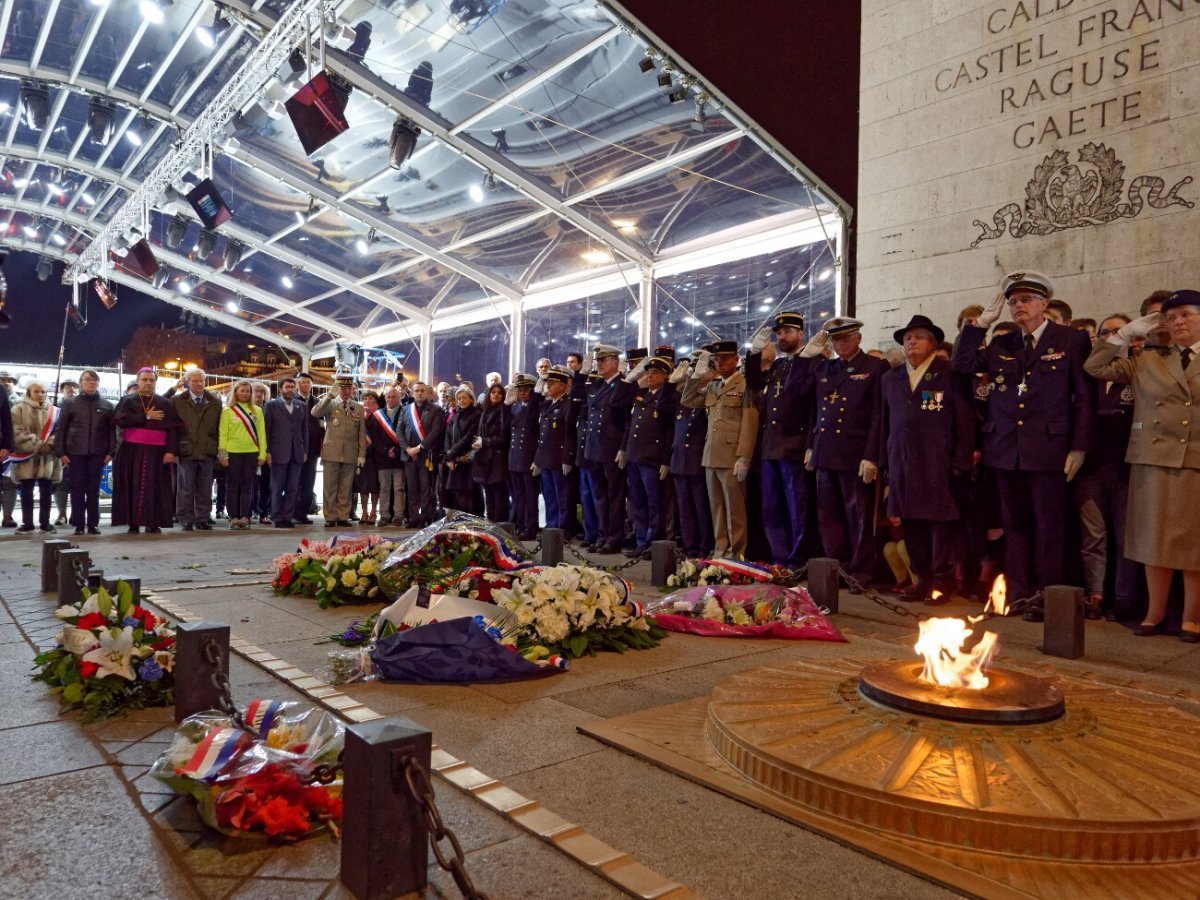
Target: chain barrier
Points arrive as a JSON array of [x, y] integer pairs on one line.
[[875, 597], [417, 781], [220, 680], [595, 565]]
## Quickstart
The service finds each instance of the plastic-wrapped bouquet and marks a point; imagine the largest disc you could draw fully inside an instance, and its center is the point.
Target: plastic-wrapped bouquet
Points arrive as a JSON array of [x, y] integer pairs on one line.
[[258, 780], [111, 656], [757, 610], [344, 570], [703, 572]]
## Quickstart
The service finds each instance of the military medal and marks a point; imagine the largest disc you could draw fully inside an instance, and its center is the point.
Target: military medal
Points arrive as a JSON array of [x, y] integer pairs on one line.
[[924, 399], [938, 395], [1022, 387]]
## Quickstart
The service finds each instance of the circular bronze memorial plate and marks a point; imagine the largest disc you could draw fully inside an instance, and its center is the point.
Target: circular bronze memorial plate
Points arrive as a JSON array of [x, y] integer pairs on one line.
[[1010, 697]]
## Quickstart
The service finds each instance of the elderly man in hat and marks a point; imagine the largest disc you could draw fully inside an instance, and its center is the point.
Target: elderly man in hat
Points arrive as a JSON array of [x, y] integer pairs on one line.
[[1037, 429], [343, 448], [717, 386], [523, 474], [648, 453], [608, 402], [786, 418], [844, 445], [928, 428]]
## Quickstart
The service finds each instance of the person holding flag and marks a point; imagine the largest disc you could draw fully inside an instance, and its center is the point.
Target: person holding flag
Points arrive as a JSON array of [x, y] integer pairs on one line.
[[34, 421], [241, 449]]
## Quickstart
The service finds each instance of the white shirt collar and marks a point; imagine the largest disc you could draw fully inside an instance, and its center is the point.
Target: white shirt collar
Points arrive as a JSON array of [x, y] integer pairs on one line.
[[1037, 333], [915, 375]]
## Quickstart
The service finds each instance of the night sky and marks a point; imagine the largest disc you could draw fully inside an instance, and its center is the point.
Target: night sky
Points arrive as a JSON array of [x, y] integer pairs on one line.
[[37, 309]]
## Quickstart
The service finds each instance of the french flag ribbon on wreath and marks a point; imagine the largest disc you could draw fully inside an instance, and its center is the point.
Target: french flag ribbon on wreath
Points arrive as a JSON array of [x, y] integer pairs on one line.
[[47, 429], [220, 747], [261, 715], [752, 571], [503, 551]]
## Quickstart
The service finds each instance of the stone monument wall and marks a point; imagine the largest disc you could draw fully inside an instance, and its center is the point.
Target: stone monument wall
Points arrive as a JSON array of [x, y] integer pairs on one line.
[[1056, 135]]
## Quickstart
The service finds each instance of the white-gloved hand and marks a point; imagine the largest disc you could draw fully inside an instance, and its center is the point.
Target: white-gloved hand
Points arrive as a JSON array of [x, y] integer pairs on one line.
[[637, 371], [991, 312], [535, 469], [663, 472], [741, 468], [1138, 328], [761, 338], [702, 361], [510, 395], [808, 463], [817, 346], [1074, 463], [680, 372], [867, 471], [567, 468], [620, 459], [477, 443]]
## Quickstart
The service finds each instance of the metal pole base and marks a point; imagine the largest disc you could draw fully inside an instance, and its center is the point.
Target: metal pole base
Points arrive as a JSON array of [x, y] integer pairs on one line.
[[50, 551], [1063, 630], [196, 689], [824, 585], [73, 566], [552, 546], [662, 562]]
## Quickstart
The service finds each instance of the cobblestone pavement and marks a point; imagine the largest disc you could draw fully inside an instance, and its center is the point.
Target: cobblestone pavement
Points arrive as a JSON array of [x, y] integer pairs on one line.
[[84, 781]]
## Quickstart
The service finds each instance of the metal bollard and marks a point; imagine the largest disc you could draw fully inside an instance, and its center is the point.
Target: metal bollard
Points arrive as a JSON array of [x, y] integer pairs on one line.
[[73, 566], [824, 584], [385, 848], [135, 584], [50, 551], [1062, 633], [662, 562], [552, 546], [95, 579], [196, 689]]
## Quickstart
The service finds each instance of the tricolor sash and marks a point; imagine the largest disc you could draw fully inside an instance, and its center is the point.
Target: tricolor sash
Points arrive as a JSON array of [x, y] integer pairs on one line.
[[216, 751], [247, 422], [47, 429], [416, 421], [386, 425]]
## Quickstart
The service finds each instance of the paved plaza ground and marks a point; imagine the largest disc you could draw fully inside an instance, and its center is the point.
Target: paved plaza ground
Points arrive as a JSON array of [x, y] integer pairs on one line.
[[86, 820]]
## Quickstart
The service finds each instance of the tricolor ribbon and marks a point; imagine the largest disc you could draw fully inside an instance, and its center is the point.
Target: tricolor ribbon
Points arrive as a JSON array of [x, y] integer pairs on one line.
[[47, 429], [261, 715], [216, 751], [247, 422], [416, 421], [386, 425], [753, 571]]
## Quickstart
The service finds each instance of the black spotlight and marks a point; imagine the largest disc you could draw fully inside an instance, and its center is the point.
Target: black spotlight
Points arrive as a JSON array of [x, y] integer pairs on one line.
[[420, 84], [489, 182], [646, 64], [293, 65], [664, 79], [35, 101], [45, 268], [177, 230], [678, 95], [208, 35], [100, 121], [403, 140], [160, 278], [501, 137], [384, 209], [233, 254], [206, 243], [362, 41]]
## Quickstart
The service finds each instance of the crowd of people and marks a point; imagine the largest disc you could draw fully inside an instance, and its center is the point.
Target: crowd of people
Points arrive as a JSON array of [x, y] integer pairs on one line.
[[1042, 447]]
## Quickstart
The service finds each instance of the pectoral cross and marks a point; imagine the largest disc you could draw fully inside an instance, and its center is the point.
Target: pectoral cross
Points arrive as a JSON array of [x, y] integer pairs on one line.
[[834, 397], [778, 388], [1022, 387]]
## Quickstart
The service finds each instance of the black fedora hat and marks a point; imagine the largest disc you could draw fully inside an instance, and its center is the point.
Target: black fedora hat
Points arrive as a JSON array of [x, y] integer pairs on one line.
[[920, 321]]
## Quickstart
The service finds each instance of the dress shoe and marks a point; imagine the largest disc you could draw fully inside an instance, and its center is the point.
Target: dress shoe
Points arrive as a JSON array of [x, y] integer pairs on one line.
[[221, 514], [92, 529], [397, 521], [79, 529], [8, 523], [61, 520], [631, 552], [329, 524], [303, 520], [204, 526], [47, 529], [1189, 637], [914, 593], [1093, 607], [133, 529], [189, 527], [25, 529], [605, 549], [154, 530], [1147, 629], [344, 523], [284, 525]]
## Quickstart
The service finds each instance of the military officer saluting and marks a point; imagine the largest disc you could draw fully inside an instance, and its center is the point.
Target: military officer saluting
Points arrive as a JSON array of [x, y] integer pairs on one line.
[[687, 471], [343, 449], [555, 455], [717, 386], [786, 417], [1037, 430], [608, 402], [648, 452], [844, 446]]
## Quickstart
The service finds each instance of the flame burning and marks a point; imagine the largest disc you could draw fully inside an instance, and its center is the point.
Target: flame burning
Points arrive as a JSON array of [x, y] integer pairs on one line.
[[941, 643], [998, 598]]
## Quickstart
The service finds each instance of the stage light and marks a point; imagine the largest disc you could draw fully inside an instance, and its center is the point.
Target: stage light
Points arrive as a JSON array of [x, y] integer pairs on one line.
[[664, 79], [154, 11], [476, 193], [88, 199], [403, 140], [501, 138], [362, 247], [45, 268], [31, 231], [233, 254], [177, 230], [208, 35], [184, 287], [678, 95], [100, 120], [318, 110], [58, 239], [35, 103], [160, 278], [233, 306], [291, 67], [206, 243], [420, 84], [384, 209], [287, 282], [646, 63], [362, 41], [489, 182]]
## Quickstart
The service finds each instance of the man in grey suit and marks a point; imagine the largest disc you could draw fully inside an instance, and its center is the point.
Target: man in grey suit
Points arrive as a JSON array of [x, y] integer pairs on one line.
[[287, 423]]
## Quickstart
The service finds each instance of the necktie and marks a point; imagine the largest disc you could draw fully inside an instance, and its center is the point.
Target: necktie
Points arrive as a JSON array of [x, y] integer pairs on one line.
[[1185, 356], [1028, 342], [345, 407], [198, 400]]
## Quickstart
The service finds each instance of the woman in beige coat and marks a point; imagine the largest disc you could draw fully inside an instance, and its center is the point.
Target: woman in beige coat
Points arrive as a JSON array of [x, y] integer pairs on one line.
[[1164, 453], [33, 460]]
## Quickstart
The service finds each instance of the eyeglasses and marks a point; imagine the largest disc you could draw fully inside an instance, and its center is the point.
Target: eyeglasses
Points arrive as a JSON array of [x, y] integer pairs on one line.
[[1105, 332]]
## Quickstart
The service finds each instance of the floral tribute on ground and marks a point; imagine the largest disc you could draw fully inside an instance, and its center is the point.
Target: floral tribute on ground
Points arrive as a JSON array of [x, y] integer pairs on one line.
[[335, 572], [258, 780], [754, 610], [111, 656], [693, 572]]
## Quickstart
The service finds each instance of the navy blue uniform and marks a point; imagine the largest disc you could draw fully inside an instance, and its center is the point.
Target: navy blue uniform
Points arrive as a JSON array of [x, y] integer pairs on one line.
[[929, 436], [1040, 408], [521, 448], [785, 420], [608, 405], [555, 449], [846, 432], [647, 448], [691, 491]]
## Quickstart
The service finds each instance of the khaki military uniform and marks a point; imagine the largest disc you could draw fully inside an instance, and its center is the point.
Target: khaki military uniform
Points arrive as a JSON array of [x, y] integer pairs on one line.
[[732, 432], [342, 451]]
